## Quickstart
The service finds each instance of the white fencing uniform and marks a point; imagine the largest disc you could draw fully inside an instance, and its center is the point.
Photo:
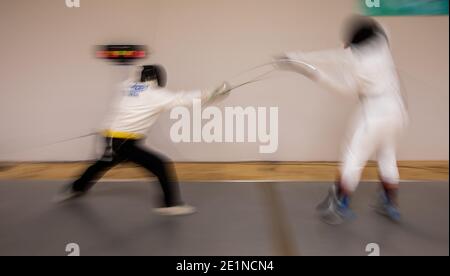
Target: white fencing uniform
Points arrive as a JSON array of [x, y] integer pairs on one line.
[[368, 72]]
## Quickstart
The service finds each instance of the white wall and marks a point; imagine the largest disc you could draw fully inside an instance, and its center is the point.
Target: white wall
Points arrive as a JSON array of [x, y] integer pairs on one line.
[[51, 88]]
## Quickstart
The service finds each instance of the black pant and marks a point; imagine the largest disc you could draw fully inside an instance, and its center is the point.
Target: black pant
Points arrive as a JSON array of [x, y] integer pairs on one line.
[[119, 150]]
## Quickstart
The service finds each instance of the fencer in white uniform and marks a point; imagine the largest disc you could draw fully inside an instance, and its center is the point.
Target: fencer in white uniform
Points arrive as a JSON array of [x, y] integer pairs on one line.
[[365, 68]]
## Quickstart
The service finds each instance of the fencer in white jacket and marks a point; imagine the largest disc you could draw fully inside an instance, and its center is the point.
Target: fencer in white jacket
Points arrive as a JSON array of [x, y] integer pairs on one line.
[[365, 68], [143, 99]]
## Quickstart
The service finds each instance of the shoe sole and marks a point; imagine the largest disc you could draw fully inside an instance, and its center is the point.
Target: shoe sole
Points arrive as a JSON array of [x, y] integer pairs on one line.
[[174, 213]]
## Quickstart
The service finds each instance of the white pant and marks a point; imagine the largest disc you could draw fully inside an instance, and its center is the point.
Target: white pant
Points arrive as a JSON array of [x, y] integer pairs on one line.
[[372, 136]]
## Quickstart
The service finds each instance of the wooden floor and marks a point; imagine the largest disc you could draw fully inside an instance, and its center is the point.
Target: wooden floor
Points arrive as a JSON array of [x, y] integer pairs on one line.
[[258, 171]]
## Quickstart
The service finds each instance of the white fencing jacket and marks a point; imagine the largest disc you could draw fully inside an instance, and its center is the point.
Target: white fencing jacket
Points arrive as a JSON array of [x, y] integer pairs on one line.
[[368, 72], [140, 106]]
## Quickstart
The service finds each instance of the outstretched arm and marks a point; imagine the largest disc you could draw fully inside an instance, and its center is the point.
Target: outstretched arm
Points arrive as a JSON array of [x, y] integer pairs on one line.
[[314, 66], [327, 81], [185, 98]]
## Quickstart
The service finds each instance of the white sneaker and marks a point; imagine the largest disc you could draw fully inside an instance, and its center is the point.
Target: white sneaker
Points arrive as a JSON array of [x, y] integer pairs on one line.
[[183, 210]]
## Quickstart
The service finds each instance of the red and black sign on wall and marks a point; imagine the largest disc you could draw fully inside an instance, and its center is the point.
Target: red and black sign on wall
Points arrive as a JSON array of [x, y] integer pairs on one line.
[[121, 54]]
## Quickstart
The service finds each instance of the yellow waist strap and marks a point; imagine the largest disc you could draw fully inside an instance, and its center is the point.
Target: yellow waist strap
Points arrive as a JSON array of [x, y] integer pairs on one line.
[[122, 135]]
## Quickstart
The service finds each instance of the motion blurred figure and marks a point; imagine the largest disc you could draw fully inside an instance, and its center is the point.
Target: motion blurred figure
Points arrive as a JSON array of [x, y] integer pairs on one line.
[[364, 68], [144, 99]]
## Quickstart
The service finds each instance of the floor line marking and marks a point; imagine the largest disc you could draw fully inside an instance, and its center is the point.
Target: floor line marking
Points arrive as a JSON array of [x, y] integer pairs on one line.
[[284, 242]]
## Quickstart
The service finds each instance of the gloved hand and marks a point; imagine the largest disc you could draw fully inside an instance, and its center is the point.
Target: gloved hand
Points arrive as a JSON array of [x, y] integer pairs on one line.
[[293, 63], [279, 62], [223, 89], [221, 92]]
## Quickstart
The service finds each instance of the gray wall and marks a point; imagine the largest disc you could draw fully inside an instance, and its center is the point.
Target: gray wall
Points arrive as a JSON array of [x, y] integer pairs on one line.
[[51, 88]]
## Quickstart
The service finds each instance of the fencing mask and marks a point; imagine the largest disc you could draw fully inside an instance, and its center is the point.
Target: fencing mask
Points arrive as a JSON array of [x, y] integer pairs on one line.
[[154, 72], [360, 31]]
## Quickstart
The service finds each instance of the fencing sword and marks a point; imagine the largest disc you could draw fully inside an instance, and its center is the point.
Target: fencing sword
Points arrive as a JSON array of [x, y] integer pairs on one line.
[[263, 76]]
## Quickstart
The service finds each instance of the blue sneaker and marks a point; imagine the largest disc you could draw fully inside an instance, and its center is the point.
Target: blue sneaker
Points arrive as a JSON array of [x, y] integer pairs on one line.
[[387, 208], [335, 211]]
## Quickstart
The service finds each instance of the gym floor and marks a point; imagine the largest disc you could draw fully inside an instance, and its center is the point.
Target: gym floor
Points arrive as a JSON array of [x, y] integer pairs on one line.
[[237, 219]]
